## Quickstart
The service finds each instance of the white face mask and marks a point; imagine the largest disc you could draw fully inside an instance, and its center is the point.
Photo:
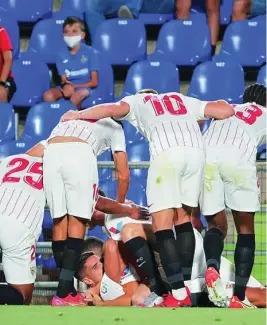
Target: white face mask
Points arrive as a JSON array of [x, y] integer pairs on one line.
[[72, 41]]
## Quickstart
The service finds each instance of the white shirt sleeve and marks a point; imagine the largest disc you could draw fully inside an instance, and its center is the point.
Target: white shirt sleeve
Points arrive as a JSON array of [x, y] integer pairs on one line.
[[130, 100], [195, 106], [118, 139]]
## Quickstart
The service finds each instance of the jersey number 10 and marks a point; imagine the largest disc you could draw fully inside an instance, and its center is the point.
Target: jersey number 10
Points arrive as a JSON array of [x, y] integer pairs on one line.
[[20, 164], [163, 104]]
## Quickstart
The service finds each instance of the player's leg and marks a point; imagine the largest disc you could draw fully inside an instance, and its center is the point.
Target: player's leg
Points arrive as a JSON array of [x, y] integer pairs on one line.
[[52, 95], [79, 96], [135, 237], [19, 264], [244, 251], [241, 9], [256, 296], [183, 9]]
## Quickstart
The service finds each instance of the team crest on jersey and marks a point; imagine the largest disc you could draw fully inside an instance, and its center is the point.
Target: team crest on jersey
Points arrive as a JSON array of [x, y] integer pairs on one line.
[[33, 270], [116, 230], [83, 59], [104, 288]]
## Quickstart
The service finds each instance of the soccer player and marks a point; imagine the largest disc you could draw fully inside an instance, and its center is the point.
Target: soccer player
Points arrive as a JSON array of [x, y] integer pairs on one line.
[[70, 183], [231, 180], [77, 66], [169, 122], [22, 202]]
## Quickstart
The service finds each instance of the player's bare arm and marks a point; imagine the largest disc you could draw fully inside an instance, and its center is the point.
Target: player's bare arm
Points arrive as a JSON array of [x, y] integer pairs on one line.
[[113, 207], [98, 112], [122, 168], [37, 150], [219, 110]]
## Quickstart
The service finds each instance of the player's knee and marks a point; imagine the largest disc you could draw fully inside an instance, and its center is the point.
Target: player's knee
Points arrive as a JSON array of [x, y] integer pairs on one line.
[[111, 246], [240, 7], [22, 293], [130, 231], [183, 6]]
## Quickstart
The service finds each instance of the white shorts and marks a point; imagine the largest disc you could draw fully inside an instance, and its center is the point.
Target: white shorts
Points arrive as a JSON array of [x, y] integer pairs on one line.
[[114, 224], [110, 290], [18, 249], [175, 177], [229, 181], [70, 179]]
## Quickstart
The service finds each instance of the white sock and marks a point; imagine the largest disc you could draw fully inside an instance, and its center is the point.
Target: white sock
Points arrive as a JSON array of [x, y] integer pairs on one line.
[[179, 294]]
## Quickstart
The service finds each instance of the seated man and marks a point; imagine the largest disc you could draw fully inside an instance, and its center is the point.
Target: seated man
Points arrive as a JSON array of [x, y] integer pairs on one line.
[[77, 66]]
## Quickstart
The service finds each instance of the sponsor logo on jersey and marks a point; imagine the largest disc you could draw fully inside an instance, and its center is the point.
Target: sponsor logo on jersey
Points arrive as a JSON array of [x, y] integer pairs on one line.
[[116, 230], [83, 59]]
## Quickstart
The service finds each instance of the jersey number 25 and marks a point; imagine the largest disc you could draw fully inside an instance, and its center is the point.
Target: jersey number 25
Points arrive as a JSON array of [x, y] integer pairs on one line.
[[21, 164]]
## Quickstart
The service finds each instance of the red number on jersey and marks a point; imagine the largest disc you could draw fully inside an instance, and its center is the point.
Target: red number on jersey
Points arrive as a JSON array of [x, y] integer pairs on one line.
[[95, 192], [33, 250], [22, 164], [164, 103], [250, 115]]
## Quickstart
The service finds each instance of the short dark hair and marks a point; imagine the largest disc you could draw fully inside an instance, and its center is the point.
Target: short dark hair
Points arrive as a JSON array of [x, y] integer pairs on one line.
[[255, 93], [147, 91], [71, 20]]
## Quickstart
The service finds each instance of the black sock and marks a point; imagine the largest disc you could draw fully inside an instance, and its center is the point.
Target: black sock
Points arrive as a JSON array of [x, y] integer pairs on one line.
[[58, 247], [72, 253], [10, 296], [186, 243], [244, 261], [170, 258], [213, 247], [213, 49], [145, 260]]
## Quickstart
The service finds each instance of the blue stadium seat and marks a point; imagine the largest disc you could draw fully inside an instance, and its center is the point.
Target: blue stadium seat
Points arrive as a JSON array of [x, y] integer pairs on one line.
[[41, 238], [105, 173], [155, 19], [97, 232], [132, 135], [121, 42], [9, 22], [32, 80], [261, 154], [42, 118], [138, 151], [7, 122], [47, 39], [218, 80], [15, 147], [104, 92], [50, 263], [28, 11], [39, 259], [243, 44], [75, 6], [109, 187], [173, 43], [262, 79], [161, 76], [47, 221], [226, 11], [137, 191]]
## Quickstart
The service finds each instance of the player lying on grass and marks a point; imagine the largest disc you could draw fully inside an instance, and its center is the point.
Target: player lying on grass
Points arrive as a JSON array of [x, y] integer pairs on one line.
[[22, 203], [177, 159], [70, 184], [231, 180]]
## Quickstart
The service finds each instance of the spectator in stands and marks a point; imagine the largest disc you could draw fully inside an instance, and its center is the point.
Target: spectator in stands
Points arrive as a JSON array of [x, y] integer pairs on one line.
[[77, 66], [243, 8], [7, 83], [213, 12], [97, 10]]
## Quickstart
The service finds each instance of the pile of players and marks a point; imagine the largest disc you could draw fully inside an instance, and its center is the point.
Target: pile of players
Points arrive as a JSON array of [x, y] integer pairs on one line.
[[161, 261]]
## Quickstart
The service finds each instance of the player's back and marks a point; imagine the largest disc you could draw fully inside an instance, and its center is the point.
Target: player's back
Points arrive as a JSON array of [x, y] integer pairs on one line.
[[167, 120], [21, 190], [246, 130], [99, 134]]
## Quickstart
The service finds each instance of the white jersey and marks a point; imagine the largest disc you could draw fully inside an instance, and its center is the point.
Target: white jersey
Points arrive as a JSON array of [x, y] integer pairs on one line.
[[246, 130], [21, 191], [166, 120], [100, 134]]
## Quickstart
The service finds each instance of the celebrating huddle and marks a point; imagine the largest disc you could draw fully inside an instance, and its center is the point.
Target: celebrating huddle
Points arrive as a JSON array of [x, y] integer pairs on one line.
[[158, 259]]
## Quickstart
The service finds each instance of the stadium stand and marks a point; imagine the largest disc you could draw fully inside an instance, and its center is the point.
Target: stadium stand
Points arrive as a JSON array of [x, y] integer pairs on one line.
[[173, 45], [213, 80], [262, 76], [7, 123], [115, 46], [32, 80], [28, 11], [146, 74], [9, 22], [241, 43]]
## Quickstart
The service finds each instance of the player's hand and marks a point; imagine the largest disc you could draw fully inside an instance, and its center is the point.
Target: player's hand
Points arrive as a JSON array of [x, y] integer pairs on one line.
[[70, 115], [138, 212]]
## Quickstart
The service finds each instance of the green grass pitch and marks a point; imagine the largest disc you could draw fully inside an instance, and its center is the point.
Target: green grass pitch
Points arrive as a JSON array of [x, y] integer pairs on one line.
[[45, 315]]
